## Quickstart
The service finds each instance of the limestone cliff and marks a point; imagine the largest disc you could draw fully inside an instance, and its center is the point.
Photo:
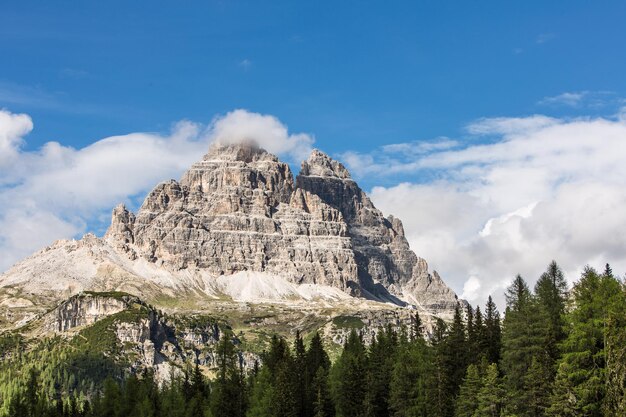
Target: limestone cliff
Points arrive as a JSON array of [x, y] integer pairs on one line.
[[238, 226]]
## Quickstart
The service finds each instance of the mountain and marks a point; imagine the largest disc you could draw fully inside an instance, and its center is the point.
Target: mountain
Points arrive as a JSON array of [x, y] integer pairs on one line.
[[238, 231]]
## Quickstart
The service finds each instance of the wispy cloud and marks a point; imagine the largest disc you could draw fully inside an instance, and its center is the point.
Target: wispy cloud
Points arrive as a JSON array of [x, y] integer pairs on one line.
[[245, 64], [74, 73], [544, 37], [396, 158], [565, 99], [12, 94], [583, 99]]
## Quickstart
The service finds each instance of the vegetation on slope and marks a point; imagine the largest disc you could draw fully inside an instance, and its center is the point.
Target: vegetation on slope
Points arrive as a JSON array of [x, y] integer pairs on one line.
[[554, 354]]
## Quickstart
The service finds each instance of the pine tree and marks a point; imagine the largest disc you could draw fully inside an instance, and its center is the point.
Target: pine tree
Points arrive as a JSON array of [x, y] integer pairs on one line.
[[480, 343], [322, 402], [521, 342], [349, 377], [317, 367], [466, 402], [302, 381], [262, 396], [615, 404], [380, 366], [111, 399], [456, 353], [550, 292], [537, 384], [581, 381], [228, 397], [417, 327], [412, 388], [473, 334], [490, 395], [493, 334], [442, 399]]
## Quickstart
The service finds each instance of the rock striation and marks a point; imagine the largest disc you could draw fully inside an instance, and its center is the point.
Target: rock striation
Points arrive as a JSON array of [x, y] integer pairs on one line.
[[240, 209], [238, 227]]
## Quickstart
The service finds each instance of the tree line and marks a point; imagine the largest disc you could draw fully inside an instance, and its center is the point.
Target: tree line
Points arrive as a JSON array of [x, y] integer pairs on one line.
[[556, 353]]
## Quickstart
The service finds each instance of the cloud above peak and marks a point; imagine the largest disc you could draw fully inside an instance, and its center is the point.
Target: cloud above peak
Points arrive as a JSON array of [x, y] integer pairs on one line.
[[61, 192], [266, 130]]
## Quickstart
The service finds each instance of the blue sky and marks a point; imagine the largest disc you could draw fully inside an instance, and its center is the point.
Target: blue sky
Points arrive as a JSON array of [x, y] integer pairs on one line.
[[356, 76]]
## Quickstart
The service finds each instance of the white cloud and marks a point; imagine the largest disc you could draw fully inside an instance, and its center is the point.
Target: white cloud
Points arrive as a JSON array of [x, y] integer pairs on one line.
[[58, 191], [12, 128], [266, 130], [545, 188], [393, 159], [567, 99], [245, 64], [545, 37]]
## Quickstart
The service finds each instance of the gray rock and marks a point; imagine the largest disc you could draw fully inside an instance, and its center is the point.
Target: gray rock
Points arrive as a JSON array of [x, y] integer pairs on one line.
[[239, 210]]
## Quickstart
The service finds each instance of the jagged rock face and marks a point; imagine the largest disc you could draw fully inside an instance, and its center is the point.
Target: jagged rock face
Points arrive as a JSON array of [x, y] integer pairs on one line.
[[82, 311], [239, 210], [381, 250]]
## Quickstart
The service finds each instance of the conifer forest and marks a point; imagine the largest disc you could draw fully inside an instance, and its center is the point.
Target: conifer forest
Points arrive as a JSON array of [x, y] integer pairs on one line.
[[555, 352]]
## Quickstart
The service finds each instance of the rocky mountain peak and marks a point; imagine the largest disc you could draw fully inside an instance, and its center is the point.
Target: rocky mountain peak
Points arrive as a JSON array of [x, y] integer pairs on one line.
[[320, 164], [245, 151], [239, 210], [121, 228]]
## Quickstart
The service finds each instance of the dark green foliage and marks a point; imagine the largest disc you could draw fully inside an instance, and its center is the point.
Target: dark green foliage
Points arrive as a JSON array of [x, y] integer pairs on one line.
[[491, 394], [583, 376], [466, 404], [520, 344], [349, 378], [491, 342], [412, 387], [559, 355], [229, 388]]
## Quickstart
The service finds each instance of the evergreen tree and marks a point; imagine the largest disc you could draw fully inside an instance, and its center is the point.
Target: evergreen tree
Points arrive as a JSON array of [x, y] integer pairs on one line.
[[473, 334], [442, 398], [615, 404], [550, 292], [490, 396], [317, 366], [302, 381], [455, 358], [349, 377], [273, 392], [466, 402], [480, 343], [581, 381], [412, 387], [380, 366], [322, 402], [521, 342], [228, 397], [262, 396], [417, 327], [492, 342], [111, 399]]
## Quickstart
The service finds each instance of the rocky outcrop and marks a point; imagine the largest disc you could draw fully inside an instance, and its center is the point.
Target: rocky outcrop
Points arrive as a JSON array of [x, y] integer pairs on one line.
[[239, 209], [83, 310], [146, 337], [237, 225]]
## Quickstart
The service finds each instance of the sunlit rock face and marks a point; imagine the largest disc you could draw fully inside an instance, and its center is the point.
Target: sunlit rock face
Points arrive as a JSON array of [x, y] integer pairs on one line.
[[238, 226], [239, 209]]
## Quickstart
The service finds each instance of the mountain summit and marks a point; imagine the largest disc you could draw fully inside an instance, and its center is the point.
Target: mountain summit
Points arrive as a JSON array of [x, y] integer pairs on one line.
[[238, 224]]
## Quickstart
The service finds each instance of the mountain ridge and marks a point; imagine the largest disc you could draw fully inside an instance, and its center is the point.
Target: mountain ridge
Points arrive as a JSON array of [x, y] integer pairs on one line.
[[240, 211]]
